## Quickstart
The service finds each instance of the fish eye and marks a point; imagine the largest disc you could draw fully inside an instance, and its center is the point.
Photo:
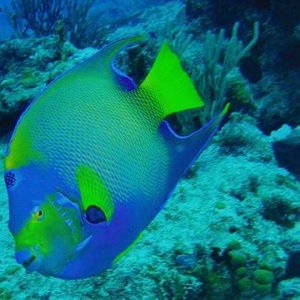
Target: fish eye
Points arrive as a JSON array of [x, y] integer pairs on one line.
[[95, 215], [10, 179], [37, 214]]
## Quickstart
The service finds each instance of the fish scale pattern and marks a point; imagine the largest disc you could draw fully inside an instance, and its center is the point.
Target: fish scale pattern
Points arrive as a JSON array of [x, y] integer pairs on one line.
[[10, 179], [97, 124]]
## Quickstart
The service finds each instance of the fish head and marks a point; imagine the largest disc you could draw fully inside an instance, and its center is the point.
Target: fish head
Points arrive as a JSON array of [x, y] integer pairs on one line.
[[45, 224]]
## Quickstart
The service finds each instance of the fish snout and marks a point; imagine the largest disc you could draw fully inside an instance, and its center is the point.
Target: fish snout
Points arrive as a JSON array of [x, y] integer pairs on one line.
[[27, 260]]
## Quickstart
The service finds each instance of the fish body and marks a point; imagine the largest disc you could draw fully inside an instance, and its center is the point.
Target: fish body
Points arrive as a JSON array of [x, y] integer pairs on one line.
[[92, 161]]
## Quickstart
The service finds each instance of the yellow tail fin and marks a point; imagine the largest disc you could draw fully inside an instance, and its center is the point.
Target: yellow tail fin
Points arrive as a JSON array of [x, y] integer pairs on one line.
[[171, 84]]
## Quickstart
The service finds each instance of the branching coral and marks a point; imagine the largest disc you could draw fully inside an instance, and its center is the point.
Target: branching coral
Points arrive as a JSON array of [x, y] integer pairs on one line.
[[45, 17], [219, 59], [78, 24], [37, 16]]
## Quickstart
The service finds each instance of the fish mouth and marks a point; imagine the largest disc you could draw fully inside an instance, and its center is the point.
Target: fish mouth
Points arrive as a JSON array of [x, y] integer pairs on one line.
[[28, 261]]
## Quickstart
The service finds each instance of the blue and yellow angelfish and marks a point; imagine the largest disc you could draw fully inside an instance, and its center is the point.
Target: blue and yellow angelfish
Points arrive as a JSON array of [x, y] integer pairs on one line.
[[92, 161]]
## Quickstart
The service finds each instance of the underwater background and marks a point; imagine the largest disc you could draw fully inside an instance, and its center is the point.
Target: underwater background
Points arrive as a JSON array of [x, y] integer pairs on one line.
[[231, 229]]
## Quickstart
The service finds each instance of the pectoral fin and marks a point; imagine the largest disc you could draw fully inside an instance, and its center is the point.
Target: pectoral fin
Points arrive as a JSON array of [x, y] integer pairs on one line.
[[94, 192]]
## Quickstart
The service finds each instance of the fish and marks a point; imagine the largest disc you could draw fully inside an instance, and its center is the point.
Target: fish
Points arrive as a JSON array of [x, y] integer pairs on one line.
[[92, 160]]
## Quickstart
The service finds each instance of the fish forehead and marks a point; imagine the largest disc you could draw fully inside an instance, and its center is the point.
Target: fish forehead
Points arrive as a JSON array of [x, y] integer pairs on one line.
[[102, 127], [32, 185]]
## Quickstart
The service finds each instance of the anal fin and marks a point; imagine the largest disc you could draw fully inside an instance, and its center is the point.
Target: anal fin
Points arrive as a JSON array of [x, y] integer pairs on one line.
[[186, 149]]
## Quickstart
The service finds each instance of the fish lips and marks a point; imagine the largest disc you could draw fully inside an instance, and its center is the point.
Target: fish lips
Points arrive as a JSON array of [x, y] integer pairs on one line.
[[29, 261]]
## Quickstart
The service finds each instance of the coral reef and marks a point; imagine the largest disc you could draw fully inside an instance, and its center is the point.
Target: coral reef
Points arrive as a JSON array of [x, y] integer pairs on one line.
[[274, 58], [43, 18], [287, 149], [27, 66]]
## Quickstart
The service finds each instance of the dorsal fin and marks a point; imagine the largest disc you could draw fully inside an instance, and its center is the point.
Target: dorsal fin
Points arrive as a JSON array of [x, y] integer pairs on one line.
[[170, 84], [100, 65]]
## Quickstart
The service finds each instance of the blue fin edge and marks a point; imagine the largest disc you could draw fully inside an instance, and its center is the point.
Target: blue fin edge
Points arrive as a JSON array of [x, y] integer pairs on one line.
[[190, 146], [123, 79]]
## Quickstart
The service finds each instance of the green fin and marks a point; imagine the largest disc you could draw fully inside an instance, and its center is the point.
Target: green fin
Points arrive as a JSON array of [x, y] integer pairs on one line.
[[171, 84], [129, 248], [94, 191]]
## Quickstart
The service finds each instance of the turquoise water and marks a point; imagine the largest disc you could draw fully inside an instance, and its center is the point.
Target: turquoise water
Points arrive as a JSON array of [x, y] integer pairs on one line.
[[230, 229]]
